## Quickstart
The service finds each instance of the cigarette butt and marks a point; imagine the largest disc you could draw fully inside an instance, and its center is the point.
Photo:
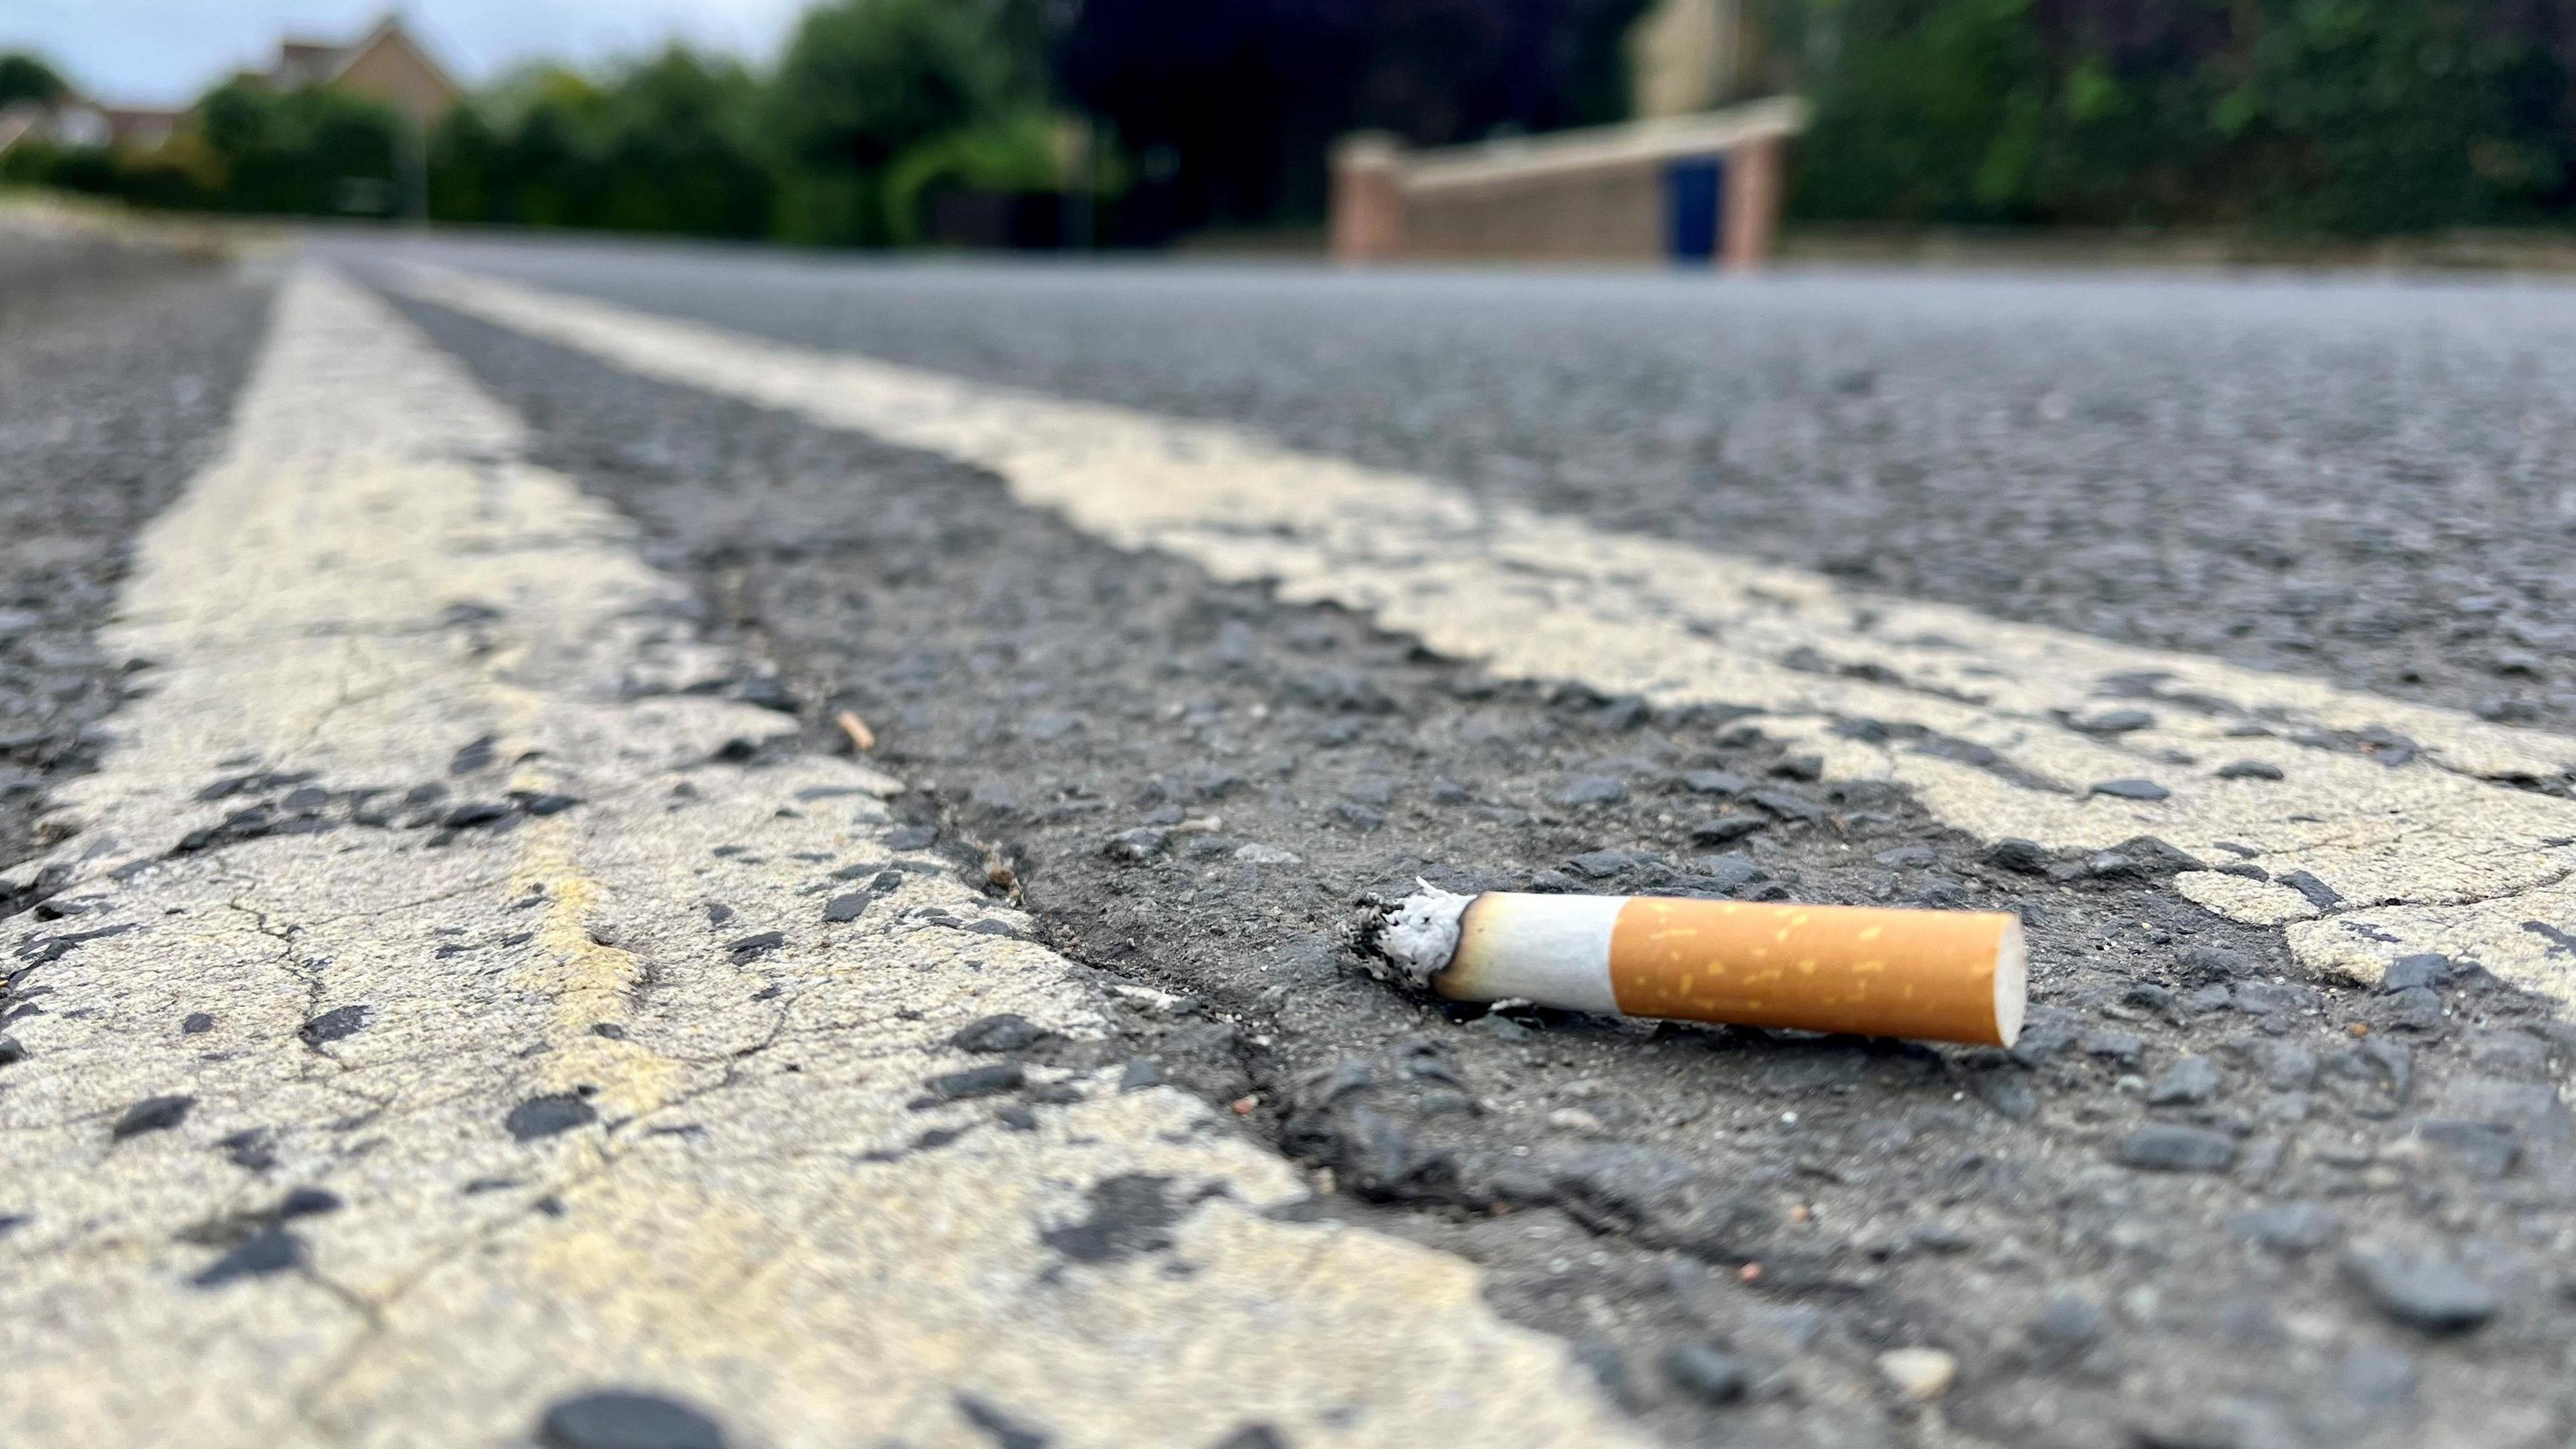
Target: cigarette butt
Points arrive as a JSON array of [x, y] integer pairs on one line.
[[1930, 975], [862, 739]]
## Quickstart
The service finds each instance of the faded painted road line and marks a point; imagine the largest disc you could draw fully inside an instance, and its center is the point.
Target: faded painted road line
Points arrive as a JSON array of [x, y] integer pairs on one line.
[[2371, 829], [436, 1026]]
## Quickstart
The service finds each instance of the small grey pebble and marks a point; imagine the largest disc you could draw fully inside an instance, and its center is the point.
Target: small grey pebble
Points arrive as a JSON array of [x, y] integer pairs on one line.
[[152, 1114], [1713, 782], [2290, 1227], [1142, 843], [1592, 790], [2123, 1047], [2165, 1147], [2156, 999], [1706, 1373], [2114, 722], [2130, 789], [2027, 857], [270, 1250], [2287, 1066], [1375, 791], [976, 1082], [626, 1419], [2215, 963], [1728, 872], [1907, 857], [2429, 1293], [2324, 897], [1788, 806], [196, 1022], [2249, 770], [2425, 969], [1600, 864], [2067, 1325], [1726, 828], [1357, 816], [2189, 1079], [1006, 1032], [2213, 997], [2416, 1008]]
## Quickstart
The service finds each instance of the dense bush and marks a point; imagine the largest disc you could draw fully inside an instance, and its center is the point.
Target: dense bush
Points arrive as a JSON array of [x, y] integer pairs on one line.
[[664, 146], [23, 77], [308, 152], [2346, 115]]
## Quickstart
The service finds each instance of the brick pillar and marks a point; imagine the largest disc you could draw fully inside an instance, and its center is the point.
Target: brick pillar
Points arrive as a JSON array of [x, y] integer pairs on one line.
[[1752, 209], [1368, 199]]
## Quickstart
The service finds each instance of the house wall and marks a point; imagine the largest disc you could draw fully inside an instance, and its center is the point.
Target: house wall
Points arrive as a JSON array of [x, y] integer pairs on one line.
[[393, 72], [1608, 213]]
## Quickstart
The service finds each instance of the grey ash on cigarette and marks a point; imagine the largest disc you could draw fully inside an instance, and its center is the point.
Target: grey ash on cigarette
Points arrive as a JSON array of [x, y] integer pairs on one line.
[[1415, 937]]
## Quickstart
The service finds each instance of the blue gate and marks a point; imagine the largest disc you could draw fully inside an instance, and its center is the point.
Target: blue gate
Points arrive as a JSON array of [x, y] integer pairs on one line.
[[1694, 191]]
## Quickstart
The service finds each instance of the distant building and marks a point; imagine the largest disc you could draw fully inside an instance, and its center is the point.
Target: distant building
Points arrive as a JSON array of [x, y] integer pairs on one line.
[[1696, 178], [1688, 56], [386, 64], [77, 121]]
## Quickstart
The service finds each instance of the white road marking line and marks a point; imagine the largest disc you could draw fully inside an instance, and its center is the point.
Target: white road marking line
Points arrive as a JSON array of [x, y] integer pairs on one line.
[[2440, 853], [738, 1192]]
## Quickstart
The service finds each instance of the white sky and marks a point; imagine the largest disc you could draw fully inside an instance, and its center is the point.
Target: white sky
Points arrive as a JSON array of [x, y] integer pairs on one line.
[[163, 52]]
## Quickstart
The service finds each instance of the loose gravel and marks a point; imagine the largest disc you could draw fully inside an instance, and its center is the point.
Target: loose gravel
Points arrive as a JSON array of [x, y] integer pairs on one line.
[[2206, 1201], [2364, 479], [118, 366]]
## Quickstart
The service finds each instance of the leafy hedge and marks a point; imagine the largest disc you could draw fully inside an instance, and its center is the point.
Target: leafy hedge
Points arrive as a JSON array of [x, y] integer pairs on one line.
[[2342, 115]]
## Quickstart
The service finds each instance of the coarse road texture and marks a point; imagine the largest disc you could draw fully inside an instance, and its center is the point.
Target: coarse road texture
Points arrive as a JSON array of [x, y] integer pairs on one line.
[[118, 367], [454, 1016], [2361, 481], [2281, 1161]]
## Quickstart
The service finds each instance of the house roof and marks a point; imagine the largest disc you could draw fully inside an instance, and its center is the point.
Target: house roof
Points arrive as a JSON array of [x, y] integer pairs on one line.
[[303, 62]]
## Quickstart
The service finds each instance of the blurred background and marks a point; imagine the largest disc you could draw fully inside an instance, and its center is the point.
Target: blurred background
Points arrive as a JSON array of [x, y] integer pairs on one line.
[[1211, 123]]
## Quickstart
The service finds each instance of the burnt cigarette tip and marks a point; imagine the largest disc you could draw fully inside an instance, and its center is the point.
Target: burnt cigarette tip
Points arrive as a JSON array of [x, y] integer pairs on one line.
[[1418, 935]]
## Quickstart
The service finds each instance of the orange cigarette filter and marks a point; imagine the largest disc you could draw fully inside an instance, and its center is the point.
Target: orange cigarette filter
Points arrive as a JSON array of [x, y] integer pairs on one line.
[[1932, 975]]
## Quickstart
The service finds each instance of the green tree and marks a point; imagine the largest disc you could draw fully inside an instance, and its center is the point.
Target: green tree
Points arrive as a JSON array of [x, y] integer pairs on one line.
[[2357, 116], [2394, 115], [677, 151], [310, 152], [24, 77], [1014, 153], [665, 145], [864, 81]]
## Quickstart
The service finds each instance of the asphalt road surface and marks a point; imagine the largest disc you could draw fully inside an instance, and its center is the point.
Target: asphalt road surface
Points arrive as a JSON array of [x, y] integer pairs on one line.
[[467, 987]]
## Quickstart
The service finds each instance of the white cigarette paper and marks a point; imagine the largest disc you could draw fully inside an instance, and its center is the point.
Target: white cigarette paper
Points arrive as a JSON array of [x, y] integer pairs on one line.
[[1931, 975]]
